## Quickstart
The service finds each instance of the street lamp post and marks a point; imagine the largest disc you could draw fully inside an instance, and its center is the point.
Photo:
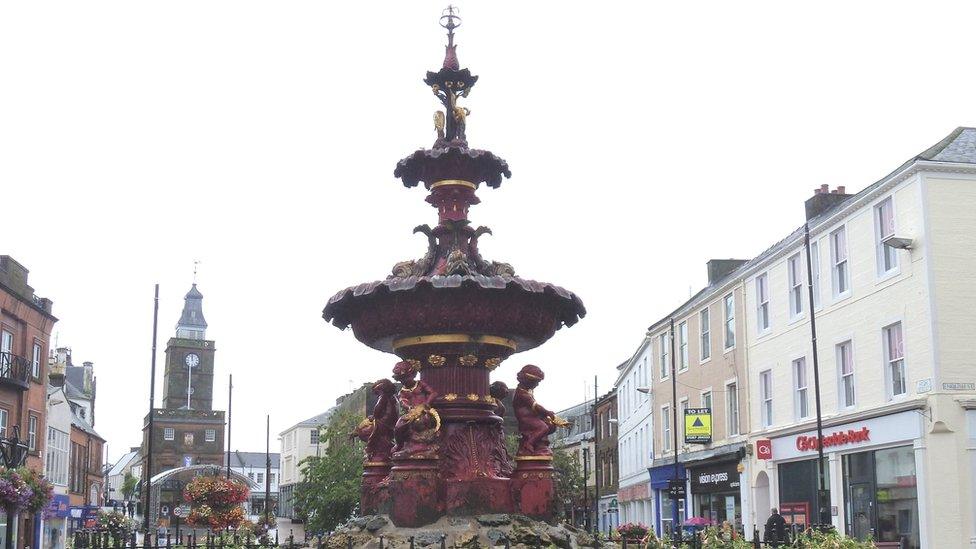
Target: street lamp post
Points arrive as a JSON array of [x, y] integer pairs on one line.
[[823, 496], [13, 452]]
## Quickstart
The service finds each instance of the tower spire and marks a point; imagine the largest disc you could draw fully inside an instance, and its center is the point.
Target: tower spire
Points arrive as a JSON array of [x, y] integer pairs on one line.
[[192, 325]]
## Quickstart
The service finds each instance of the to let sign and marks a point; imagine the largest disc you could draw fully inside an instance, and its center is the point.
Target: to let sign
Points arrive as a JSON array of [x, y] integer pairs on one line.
[[698, 425]]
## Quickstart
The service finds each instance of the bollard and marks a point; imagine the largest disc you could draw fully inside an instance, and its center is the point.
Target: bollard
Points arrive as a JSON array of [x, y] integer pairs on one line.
[[443, 541], [349, 543], [411, 542], [381, 542], [624, 540]]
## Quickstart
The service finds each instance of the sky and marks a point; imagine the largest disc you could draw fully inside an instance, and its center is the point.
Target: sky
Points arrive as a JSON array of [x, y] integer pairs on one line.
[[259, 138]]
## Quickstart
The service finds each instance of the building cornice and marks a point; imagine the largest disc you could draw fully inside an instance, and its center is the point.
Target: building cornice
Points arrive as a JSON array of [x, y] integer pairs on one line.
[[914, 404]]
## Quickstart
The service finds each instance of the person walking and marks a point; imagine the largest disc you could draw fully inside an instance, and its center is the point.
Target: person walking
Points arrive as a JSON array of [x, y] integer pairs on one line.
[[131, 508], [775, 529]]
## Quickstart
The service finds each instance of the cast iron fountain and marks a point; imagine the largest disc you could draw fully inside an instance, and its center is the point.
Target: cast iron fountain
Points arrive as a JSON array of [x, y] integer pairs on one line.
[[452, 317]]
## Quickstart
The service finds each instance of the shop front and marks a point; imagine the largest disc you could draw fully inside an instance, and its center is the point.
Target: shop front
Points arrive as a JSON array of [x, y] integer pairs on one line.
[[715, 492], [55, 528], [872, 474], [609, 517], [661, 478]]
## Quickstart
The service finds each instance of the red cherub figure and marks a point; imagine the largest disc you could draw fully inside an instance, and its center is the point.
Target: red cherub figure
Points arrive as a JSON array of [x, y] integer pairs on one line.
[[535, 423], [417, 429], [385, 415]]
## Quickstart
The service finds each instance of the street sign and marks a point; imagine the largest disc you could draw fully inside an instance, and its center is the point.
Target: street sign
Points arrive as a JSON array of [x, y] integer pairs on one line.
[[698, 425], [676, 489], [182, 511]]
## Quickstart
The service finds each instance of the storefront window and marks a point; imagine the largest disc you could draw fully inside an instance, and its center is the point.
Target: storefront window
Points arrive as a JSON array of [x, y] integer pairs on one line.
[[667, 513], [798, 482], [715, 492], [882, 498]]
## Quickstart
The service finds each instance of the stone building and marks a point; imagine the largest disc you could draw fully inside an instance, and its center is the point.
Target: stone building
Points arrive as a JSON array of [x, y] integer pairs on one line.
[[576, 440], [186, 430]]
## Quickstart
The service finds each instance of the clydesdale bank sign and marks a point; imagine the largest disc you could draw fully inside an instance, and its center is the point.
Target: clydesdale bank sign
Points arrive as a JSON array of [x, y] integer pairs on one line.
[[839, 438]]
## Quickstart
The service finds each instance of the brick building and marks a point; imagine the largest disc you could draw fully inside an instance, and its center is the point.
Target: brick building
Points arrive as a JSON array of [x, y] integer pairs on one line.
[[25, 329], [606, 461]]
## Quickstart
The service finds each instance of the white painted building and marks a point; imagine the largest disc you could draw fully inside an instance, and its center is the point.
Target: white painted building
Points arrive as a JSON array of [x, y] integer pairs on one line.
[[634, 438], [297, 443], [54, 527], [116, 474], [894, 280]]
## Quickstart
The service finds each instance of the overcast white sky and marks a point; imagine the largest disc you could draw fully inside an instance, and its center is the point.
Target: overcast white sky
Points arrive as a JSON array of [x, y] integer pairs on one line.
[[260, 138]]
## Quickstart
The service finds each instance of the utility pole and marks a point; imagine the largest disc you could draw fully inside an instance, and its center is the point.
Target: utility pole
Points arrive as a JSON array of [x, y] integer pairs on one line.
[[230, 398], [675, 524], [597, 465], [823, 495], [146, 509], [267, 471]]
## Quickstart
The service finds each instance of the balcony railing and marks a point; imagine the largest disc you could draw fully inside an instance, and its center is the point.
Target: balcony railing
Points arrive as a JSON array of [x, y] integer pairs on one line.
[[15, 370]]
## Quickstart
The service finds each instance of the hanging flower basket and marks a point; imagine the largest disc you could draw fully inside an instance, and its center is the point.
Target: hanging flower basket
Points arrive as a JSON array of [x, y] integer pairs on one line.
[[215, 502], [24, 489]]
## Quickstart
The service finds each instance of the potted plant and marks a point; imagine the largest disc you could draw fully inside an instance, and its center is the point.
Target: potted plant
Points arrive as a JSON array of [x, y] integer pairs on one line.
[[633, 532]]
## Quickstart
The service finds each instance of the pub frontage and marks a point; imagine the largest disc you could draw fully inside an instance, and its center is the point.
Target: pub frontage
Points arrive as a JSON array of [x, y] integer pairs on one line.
[[873, 473]]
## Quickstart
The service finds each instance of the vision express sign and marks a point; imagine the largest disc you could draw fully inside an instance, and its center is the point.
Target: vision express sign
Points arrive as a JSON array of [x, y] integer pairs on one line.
[[718, 478]]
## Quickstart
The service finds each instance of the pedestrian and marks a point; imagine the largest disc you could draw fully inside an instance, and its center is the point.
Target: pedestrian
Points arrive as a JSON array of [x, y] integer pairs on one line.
[[131, 508], [775, 529]]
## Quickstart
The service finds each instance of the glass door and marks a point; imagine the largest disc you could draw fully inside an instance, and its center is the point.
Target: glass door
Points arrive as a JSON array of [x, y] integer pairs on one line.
[[860, 512]]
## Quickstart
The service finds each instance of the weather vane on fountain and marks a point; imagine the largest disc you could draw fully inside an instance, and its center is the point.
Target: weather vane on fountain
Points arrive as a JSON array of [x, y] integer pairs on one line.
[[448, 84]]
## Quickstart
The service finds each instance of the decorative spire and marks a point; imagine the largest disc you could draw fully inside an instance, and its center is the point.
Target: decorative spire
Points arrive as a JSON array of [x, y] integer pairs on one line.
[[450, 21]]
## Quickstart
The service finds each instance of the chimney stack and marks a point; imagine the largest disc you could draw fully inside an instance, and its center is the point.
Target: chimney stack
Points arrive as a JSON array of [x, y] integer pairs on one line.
[[824, 199], [719, 268]]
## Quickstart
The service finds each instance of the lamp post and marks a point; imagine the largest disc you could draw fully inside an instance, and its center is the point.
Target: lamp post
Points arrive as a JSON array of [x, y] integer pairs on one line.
[[13, 452]]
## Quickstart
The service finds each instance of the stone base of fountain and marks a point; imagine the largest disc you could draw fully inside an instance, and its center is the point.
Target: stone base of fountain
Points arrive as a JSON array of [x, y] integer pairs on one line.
[[477, 532]]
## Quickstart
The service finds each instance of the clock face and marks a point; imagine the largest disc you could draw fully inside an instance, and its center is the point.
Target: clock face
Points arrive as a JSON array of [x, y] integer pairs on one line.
[[192, 360]]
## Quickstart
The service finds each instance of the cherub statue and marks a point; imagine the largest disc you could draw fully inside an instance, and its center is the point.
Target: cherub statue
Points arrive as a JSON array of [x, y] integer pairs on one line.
[[501, 459], [535, 423], [417, 429], [385, 414]]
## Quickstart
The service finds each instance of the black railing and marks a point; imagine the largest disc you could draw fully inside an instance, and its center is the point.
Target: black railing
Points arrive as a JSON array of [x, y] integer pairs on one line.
[[192, 539], [15, 370]]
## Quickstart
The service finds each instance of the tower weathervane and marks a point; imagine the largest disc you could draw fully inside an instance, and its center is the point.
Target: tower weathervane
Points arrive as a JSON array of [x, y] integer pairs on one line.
[[195, 263]]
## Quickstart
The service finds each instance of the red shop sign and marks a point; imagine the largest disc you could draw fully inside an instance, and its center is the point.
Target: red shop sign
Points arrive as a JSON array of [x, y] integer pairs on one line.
[[839, 438], [764, 449]]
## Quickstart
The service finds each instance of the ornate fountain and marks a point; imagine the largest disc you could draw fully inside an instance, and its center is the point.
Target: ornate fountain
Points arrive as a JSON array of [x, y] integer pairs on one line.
[[452, 317]]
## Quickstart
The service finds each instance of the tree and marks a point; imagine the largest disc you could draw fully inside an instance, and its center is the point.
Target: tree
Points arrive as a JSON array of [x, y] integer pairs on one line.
[[569, 478], [329, 491], [128, 485]]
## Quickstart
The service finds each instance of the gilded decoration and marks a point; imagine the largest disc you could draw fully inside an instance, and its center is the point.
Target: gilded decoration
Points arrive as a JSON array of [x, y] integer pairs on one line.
[[473, 397], [493, 362], [436, 360], [468, 360], [450, 397], [416, 364]]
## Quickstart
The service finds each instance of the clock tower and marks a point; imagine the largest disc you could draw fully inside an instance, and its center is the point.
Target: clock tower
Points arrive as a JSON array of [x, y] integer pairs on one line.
[[188, 377], [186, 430]]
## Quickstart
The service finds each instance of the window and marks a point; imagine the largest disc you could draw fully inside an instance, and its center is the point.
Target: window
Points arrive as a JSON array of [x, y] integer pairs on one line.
[[32, 433], [762, 302], [706, 335], [706, 399], [838, 254], [766, 392], [169, 433], [683, 346], [663, 361], [271, 477], [666, 428], [210, 435], [260, 478], [732, 414], [36, 362], [729, 321], [56, 462], [314, 436], [801, 404], [3, 423], [794, 267], [884, 216], [894, 354], [845, 366], [815, 269], [251, 476]]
